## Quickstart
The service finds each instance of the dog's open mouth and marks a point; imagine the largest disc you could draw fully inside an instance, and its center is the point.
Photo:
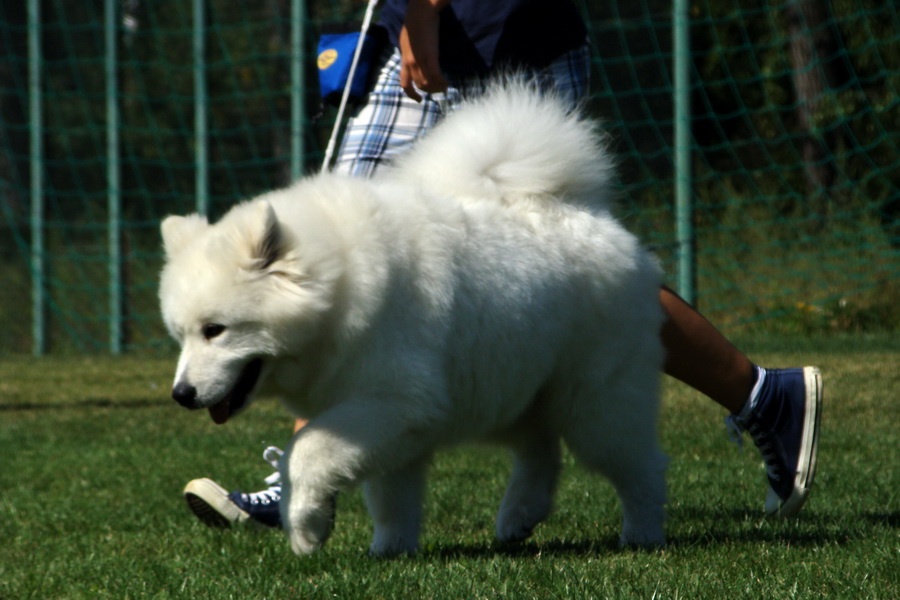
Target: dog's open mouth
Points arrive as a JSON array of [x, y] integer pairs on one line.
[[238, 395]]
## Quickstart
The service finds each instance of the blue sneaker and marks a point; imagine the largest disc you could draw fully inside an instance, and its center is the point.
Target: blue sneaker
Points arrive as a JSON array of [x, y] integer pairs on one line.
[[216, 507], [784, 423]]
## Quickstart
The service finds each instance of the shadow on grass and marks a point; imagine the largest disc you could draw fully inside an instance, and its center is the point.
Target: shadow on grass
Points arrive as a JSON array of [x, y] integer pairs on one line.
[[708, 528], [85, 403], [888, 519], [528, 549]]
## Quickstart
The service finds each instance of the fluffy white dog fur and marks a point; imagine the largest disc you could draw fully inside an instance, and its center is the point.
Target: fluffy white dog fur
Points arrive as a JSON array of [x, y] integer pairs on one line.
[[479, 290]]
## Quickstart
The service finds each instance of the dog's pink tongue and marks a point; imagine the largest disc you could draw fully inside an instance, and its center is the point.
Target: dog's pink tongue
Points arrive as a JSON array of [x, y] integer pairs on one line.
[[219, 412]]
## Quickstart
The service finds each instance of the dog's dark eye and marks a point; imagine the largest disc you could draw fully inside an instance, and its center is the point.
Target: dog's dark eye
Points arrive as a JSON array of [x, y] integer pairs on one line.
[[212, 330]]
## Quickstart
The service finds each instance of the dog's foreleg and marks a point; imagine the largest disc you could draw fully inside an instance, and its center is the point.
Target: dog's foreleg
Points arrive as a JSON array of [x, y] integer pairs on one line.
[[339, 448], [315, 467], [394, 501]]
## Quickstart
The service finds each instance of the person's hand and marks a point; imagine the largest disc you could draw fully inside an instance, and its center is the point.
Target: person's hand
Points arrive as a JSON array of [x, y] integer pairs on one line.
[[420, 68]]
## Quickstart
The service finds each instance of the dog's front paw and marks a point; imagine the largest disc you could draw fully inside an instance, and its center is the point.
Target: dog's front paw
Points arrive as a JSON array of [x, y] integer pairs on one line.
[[302, 544], [512, 531], [647, 536], [643, 526], [389, 542], [515, 523], [308, 527]]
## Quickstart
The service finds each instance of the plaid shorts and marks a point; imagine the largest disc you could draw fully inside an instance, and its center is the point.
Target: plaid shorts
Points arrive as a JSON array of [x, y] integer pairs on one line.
[[389, 122]]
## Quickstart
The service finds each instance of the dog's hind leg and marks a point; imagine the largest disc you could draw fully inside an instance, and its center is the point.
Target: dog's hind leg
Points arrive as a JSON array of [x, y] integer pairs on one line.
[[394, 501], [638, 475], [529, 494], [642, 492], [617, 436]]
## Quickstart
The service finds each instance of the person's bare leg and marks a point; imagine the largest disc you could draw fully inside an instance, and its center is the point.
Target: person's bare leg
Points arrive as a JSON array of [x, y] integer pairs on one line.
[[700, 356], [784, 417]]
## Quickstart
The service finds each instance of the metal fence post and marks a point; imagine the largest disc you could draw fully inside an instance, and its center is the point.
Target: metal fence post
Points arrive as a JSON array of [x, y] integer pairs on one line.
[[35, 118], [684, 210], [113, 181], [201, 117], [298, 85]]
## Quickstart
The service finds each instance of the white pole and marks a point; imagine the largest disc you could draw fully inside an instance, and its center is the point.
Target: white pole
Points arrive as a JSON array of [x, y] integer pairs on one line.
[[367, 20]]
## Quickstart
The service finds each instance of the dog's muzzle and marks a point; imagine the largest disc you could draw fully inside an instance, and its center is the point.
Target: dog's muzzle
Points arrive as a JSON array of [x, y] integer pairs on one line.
[[184, 394]]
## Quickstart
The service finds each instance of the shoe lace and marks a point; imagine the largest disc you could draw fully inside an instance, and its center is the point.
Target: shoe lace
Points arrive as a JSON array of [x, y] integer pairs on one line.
[[273, 494], [272, 455], [735, 431], [763, 441]]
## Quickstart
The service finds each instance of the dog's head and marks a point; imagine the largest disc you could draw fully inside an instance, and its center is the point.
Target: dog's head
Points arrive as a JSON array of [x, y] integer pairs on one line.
[[235, 295]]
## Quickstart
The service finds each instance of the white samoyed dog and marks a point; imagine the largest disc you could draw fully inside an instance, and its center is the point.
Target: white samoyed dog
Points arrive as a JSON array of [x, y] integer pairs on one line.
[[479, 289]]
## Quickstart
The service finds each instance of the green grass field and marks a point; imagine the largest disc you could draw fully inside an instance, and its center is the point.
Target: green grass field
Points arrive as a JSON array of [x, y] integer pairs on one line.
[[94, 456]]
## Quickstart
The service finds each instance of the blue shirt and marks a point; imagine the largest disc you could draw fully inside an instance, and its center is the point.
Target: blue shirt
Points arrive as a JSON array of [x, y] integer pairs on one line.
[[479, 36]]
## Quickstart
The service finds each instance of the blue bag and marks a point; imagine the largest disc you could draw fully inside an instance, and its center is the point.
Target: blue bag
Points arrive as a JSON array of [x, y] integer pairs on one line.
[[335, 55]]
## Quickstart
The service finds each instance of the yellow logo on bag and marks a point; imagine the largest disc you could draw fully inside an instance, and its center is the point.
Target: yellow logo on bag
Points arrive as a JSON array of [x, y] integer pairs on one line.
[[327, 58]]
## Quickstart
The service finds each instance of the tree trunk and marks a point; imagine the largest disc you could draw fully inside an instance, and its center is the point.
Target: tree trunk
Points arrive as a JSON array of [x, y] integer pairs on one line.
[[812, 51]]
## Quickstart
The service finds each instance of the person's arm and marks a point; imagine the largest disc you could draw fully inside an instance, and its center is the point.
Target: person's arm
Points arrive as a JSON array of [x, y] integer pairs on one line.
[[420, 66]]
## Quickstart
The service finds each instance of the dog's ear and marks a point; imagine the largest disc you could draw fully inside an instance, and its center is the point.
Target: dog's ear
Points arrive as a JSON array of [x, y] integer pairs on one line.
[[269, 246], [178, 231], [270, 243]]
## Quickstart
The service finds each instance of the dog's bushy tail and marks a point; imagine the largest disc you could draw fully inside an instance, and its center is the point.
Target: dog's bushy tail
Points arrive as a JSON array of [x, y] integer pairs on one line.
[[514, 142]]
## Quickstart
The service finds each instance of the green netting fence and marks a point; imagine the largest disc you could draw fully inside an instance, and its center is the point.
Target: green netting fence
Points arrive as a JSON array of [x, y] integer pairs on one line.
[[758, 148]]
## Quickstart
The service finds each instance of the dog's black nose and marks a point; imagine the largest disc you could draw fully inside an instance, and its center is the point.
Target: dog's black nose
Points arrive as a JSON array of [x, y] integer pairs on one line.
[[184, 394]]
